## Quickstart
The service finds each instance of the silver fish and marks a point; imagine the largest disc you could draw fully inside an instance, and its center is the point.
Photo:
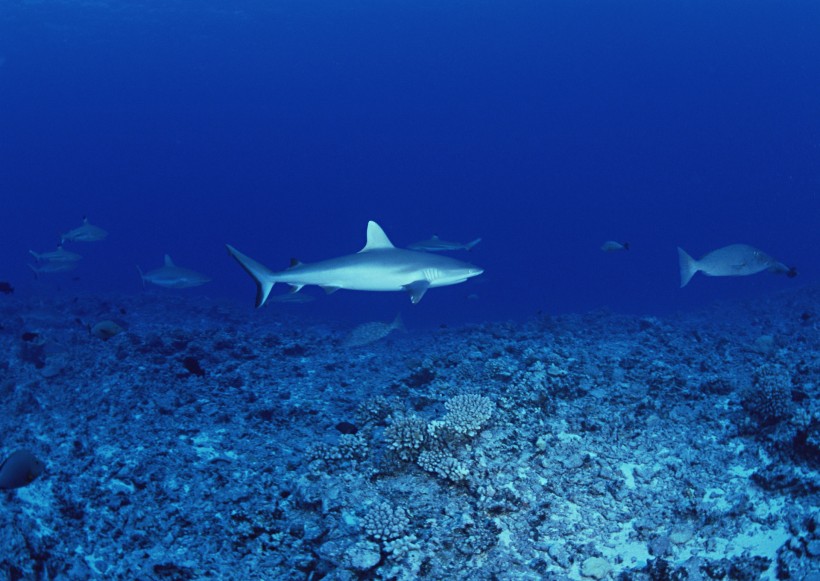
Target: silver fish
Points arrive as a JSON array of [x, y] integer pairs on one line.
[[732, 260]]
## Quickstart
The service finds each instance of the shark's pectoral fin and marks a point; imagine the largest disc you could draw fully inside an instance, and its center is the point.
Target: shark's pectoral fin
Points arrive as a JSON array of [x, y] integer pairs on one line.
[[417, 290], [330, 289]]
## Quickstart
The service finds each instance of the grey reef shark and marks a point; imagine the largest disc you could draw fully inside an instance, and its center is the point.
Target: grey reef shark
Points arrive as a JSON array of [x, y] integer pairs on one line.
[[379, 266], [87, 232], [169, 275], [436, 244]]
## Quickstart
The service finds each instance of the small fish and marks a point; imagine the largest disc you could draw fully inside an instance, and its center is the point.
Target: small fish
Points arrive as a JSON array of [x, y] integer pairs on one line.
[[732, 260], [59, 255], [367, 333], [6, 288], [85, 233], [170, 275], [106, 329], [436, 244], [612, 246], [19, 469]]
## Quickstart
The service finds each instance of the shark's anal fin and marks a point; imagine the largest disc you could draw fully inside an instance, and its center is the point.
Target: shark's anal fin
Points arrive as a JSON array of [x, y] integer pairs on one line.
[[260, 273], [417, 290]]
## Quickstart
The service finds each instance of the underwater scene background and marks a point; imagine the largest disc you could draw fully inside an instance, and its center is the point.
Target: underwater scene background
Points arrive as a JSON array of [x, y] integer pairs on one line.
[[569, 413]]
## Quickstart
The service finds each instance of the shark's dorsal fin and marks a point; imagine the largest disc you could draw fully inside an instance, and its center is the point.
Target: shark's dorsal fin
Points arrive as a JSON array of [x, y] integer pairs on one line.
[[168, 261], [376, 238]]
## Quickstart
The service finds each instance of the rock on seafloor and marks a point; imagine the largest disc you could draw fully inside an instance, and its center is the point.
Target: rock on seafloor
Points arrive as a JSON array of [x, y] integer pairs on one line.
[[203, 440]]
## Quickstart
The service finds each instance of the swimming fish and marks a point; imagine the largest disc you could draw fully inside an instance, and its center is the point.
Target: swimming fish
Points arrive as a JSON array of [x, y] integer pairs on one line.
[[105, 329], [85, 233], [436, 244], [53, 266], [59, 255], [379, 266], [169, 275], [367, 333], [291, 298], [19, 469], [732, 260], [612, 246]]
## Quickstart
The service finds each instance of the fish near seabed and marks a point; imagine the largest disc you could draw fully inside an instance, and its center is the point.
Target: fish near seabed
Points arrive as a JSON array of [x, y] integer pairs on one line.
[[732, 260], [59, 255], [169, 275], [59, 260], [19, 469], [367, 333], [379, 266], [613, 246], [85, 233], [53, 266]]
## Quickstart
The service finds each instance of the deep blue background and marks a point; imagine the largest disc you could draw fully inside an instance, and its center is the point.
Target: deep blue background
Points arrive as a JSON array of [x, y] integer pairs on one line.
[[545, 127]]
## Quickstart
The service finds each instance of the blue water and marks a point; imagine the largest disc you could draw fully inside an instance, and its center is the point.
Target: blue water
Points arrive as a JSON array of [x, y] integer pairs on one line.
[[545, 128]]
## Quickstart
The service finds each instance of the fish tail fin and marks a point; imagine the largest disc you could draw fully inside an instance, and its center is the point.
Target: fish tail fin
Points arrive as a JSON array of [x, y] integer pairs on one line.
[[34, 270], [792, 272], [261, 274], [688, 267], [625, 245], [142, 276], [469, 245]]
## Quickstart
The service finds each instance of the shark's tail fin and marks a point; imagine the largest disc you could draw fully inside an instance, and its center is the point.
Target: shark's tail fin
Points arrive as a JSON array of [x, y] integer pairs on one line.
[[469, 245], [688, 267], [261, 274]]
